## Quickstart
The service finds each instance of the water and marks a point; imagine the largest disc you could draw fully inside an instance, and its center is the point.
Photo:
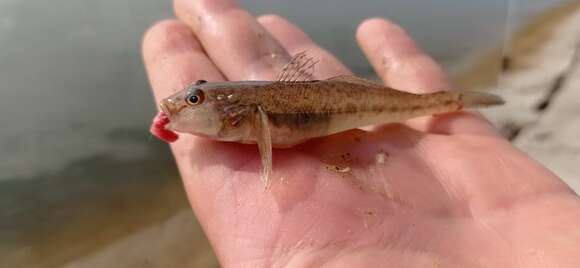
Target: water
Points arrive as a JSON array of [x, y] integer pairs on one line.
[[75, 102], [72, 73]]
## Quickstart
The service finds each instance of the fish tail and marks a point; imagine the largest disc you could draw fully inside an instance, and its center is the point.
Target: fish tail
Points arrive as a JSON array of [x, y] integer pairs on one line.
[[478, 99]]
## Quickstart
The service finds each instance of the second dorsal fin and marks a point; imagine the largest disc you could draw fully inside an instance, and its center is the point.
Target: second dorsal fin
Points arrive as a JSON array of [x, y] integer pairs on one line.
[[354, 80], [299, 68]]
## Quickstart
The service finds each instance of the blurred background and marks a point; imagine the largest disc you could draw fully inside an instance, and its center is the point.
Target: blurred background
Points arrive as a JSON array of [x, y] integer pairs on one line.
[[83, 184]]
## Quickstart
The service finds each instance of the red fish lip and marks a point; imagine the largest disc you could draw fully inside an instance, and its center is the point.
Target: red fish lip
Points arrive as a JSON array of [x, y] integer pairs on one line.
[[159, 128]]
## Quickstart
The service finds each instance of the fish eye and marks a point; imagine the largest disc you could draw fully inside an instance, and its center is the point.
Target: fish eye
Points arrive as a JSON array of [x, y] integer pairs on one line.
[[199, 82], [196, 97]]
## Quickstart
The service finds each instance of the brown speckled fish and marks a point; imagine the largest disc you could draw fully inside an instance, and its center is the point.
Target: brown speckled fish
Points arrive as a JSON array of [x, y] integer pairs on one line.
[[295, 108]]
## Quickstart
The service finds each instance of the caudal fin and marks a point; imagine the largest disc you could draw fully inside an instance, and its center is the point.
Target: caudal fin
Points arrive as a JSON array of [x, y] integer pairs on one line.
[[478, 99]]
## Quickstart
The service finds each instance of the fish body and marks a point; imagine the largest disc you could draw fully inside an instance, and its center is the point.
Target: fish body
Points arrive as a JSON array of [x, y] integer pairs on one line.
[[296, 108], [298, 111]]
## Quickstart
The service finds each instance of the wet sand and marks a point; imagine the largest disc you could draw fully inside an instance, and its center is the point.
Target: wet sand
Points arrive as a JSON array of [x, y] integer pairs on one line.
[[92, 205]]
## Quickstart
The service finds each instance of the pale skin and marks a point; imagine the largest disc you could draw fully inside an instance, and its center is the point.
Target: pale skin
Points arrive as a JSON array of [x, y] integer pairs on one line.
[[449, 191]]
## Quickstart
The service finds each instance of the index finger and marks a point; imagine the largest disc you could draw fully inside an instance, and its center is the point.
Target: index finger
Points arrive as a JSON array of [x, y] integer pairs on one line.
[[404, 66], [397, 59]]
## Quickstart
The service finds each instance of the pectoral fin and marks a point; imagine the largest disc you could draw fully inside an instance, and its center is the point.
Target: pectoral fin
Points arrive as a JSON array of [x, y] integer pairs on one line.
[[264, 141]]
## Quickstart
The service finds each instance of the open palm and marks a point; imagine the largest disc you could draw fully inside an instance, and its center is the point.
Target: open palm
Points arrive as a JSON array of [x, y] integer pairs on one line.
[[443, 191]]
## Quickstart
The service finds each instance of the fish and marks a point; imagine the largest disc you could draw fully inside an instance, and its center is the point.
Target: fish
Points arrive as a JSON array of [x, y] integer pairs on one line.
[[295, 108]]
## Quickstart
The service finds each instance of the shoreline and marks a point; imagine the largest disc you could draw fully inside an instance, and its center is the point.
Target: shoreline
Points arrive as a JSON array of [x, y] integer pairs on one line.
[[483, 68]]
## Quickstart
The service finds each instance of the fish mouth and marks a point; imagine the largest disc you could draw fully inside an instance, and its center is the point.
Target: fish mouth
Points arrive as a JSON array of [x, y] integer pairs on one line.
[[168, 107]]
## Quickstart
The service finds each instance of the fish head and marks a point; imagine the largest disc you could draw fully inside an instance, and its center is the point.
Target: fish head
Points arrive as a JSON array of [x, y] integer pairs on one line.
[[191, 111]]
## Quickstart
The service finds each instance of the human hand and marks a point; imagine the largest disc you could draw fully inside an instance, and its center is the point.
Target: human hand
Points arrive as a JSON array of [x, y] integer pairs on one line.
[[444, 191]]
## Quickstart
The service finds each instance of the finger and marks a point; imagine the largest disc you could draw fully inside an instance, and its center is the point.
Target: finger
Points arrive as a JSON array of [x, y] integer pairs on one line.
[[397, 59], [294, 40], [223, 194], [240, 47], [404, 66], [174, 58]]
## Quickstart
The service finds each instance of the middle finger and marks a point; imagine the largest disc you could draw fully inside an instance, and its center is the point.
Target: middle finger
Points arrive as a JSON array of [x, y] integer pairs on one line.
[[294, 40], [240, 47]]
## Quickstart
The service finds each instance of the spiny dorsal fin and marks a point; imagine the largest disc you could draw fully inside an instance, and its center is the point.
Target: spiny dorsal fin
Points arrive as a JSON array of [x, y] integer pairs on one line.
[[354, 80], [299, 68]]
